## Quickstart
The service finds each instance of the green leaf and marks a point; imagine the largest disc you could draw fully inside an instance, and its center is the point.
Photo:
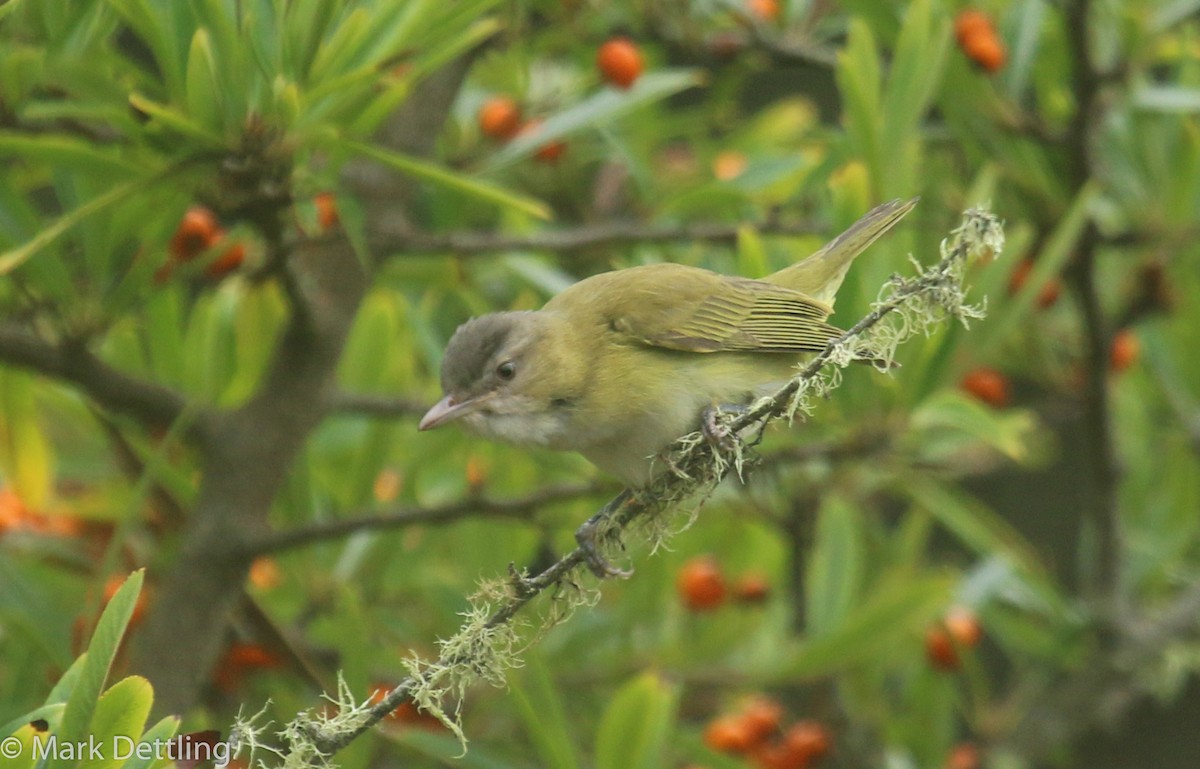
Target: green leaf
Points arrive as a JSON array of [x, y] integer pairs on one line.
[[61, 691], [1052, 259], [601, 108], [540, 709], [203, 91], [156, 735], [636, 726], [435, 174], [14, 258], [121, 712], [65, 152], [52, 714], [899, 609], [835, 569], [26, 458], [976, 525], [176, 121], [100, 654]]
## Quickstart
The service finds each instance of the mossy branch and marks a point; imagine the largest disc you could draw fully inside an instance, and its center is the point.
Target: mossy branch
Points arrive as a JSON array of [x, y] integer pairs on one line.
[[490, 641]]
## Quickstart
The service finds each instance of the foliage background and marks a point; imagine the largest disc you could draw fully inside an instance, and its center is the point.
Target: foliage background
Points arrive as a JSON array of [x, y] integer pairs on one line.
[[199, 426]]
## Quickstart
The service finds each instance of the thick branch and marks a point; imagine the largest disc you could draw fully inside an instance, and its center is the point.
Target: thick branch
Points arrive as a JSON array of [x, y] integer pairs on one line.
[[114, 390], [519, 509], [1101, 509], [577, 239]]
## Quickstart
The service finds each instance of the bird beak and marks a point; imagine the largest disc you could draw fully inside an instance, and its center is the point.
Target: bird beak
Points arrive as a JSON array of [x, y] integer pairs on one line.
[[446, 410]]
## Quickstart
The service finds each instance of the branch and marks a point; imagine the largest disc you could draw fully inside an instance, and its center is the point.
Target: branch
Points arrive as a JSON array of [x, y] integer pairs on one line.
[[577, 239], [1102, 511], [488, 643], [377, 405], [408, 516], [148, 402]]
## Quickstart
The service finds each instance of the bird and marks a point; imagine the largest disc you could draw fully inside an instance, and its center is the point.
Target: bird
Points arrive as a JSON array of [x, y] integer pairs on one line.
[[620, 365]]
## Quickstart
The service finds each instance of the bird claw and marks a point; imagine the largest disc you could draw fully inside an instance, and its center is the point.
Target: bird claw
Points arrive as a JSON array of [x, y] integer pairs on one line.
[[718, 435], [588, 536]]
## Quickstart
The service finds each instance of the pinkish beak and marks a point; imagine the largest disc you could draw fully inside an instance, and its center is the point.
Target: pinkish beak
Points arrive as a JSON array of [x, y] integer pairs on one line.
[[446, 410]]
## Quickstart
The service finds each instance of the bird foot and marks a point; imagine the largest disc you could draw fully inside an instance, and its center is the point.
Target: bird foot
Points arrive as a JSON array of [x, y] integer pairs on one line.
[[713, 421], [588, 536]]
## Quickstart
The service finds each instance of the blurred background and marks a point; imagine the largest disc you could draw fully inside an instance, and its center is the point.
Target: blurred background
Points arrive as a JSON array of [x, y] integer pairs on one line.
[[237, 234]]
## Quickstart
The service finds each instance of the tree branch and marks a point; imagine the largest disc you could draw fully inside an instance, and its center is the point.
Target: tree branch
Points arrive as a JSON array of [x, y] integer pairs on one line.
[[577, 239], [377, 405], [408, 516], [121, 393]]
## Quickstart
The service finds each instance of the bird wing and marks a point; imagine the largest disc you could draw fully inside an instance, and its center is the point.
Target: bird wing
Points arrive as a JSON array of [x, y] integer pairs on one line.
[[695, 310]]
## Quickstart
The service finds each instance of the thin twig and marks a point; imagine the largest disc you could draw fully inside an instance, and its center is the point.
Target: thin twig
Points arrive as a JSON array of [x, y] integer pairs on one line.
[[377, 405], [579, 238], [450, 512]]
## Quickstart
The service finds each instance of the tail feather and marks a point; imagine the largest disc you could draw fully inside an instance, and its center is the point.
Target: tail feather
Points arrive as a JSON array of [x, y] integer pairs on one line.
[[820, 275]]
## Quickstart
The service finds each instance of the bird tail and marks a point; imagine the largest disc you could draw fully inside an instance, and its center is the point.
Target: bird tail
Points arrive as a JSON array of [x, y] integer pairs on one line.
[[820, 275]]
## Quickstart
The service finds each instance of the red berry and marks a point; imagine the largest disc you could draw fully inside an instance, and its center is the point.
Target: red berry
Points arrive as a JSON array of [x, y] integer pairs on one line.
[[728, 734], [227, 262], [964, 755], [197, 230], [764, 10], [500, 118], [1047, 295], [751, 588], [549, 152], [1124, 351], [761, 717], [807, 740], [963, 626], [620, 61], [939, 649], [700, 584], [988, 385], [986, 50], [971, 22], [327, 212]]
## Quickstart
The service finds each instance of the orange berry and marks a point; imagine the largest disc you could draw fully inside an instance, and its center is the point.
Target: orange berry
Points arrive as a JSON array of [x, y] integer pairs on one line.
[[752, 587], [963, 627], [971, 23], [761, 717], [387, 485], [240, 659], [197, 230], [476, 472], [728, 734], [620, 61], [986, 50], [264, 573], [764, 10], [939, 649], [500, 118], [227, 262], [807, 740], [988, 385], [1124, 351], [700, 584], [774, 755], [549, 152], [964, 755], [729, 165], [1049, 292], [327, 212]]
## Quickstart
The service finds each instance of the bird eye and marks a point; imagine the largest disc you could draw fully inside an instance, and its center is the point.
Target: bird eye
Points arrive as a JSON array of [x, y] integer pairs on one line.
[[506, 370]]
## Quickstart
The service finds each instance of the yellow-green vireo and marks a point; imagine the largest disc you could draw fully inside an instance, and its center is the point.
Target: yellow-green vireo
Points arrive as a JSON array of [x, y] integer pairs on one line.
[[620, 365]]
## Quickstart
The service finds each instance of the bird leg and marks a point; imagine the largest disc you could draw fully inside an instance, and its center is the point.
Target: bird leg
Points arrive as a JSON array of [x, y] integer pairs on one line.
[[712, 420], [589, 534]]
